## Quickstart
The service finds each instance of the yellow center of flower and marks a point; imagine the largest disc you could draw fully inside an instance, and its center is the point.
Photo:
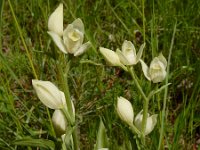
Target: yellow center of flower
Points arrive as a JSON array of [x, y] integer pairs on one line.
[[74, 35]]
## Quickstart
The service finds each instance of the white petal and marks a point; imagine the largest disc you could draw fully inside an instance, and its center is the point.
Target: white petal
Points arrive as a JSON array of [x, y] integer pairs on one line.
[[58, 41], [83, 48], [73, 38], [138, 120], [145, 69], [129, 51], [48, 94], [125, 110], [158, 76], [55, 22], [78, 24], [151, 122], [63, 98], [139, 54], [73, 108], [162, 59], [122, 58], [157, 64]]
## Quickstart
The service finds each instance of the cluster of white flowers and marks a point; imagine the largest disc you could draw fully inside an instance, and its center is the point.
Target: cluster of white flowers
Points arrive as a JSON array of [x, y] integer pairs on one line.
[[155, 73], [157, 70], [70, 40]]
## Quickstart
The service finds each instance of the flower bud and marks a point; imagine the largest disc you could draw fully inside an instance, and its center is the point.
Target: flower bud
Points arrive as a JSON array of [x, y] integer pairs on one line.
[[111, 57], [151, 122], [49, 94], [125, 110], [59, 122]]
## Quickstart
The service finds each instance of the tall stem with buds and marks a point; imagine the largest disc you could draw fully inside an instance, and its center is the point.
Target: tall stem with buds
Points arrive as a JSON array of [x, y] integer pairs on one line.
[[69, 112], [145, 104]]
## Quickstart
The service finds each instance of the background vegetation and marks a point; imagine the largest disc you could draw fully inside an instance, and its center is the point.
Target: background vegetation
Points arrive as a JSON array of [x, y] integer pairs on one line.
[[94, 85]]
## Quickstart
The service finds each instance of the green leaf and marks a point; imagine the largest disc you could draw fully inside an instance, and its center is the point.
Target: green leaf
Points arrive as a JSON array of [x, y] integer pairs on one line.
[[27, 141]]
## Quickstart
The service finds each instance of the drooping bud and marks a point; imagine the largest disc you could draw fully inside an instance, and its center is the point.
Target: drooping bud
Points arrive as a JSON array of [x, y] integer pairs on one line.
[[111, 57]]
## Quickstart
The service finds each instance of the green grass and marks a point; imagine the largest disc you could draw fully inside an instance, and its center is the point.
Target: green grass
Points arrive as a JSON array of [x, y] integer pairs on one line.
[[95, 87]]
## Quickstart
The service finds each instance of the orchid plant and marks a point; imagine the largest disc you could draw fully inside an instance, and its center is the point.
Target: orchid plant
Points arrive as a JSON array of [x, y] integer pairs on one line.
[[71, 41]]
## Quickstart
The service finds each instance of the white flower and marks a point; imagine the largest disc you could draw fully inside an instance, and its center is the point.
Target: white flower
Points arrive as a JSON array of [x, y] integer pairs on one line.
[[151, 122], [125, 110], [49, 94], [71, 39], [59, 122], [157, 70], [128, 54], [111, 57]]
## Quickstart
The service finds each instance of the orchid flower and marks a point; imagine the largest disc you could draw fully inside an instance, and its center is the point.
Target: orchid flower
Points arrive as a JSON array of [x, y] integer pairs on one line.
[[69, 40], [157, 70], [128, 54]]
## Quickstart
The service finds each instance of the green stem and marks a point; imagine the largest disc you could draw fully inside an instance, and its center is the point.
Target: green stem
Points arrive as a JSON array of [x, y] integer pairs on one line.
[[69, 112], [72, 123], [145, 104], [166, 90], [75, 138], [69, 118], [145, 115], [143, 17], [135, 130], [64, 146], [1, 23], [50, 120], [130, 70], [64, 84]]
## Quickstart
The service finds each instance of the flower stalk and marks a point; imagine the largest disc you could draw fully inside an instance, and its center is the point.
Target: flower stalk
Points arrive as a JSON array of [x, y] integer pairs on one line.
[[131, 71], [135, 130], [145, 104], [69, 112], [64, 84], [145, 115]]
